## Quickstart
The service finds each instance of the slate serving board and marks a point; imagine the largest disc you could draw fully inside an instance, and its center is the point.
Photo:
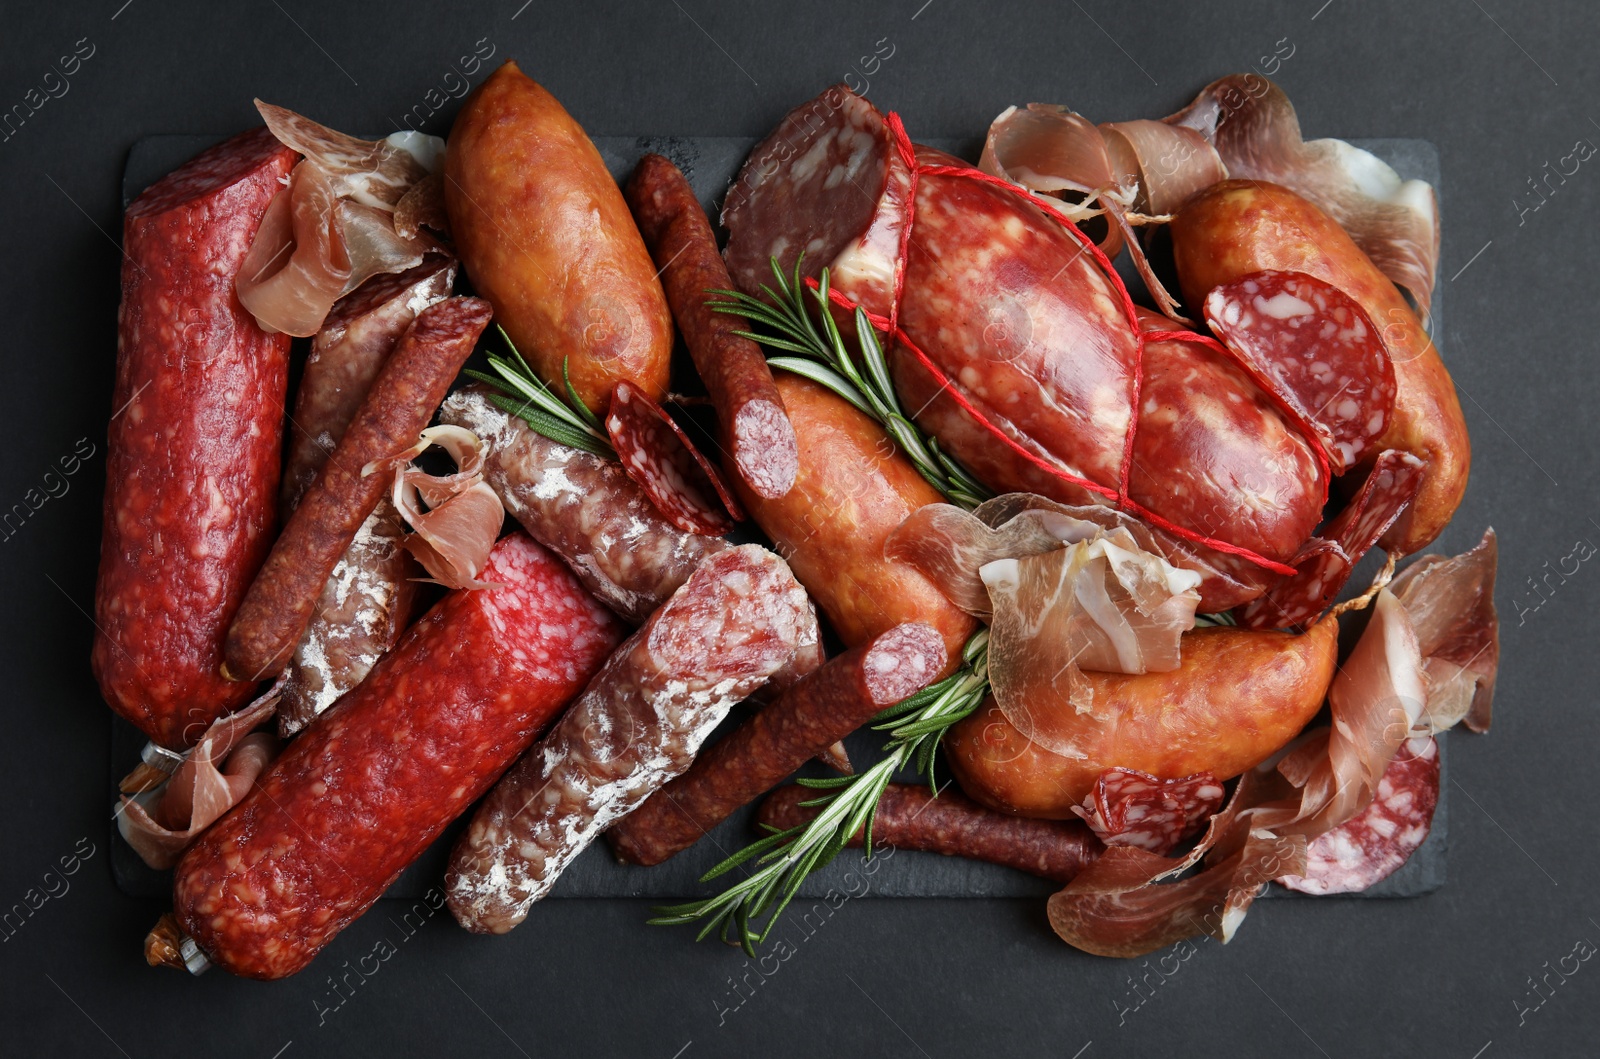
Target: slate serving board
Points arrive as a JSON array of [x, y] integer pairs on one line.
[[711, 162]]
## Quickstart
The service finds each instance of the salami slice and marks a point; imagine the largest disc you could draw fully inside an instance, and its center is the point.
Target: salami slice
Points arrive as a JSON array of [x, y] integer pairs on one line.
[[1326, 562], [637, 725], [1132, 808], [1372, 845], [193, 449], [361, 793], [685, 487], [1313, 347], [821, 709]]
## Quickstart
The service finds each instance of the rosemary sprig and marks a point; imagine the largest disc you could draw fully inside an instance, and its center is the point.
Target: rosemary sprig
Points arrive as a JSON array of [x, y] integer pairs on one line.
[[824, 358], [782, 860], [522, 393]]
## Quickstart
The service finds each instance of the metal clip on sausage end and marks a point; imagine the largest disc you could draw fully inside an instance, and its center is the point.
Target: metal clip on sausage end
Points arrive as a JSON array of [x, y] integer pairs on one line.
[[156, 765], [168, 946]]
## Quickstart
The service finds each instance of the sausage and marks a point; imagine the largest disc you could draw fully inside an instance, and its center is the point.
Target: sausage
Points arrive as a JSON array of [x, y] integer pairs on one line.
[[1238, 227], [1014, 343], [368, 599], [638, 724], [685, 486], [1133, 808], [910, 817], [852, 490], [1237, 698], [826, 706], [346, 355], [361, 793], [583, 508], [758, 438], [193, 448], [282, 601], [545, 236]]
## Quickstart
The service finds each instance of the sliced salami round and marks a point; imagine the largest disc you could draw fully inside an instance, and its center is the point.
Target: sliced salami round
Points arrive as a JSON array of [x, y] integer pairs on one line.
[[1133, 808], [1314, 348], [685, 487], [1373, 844]]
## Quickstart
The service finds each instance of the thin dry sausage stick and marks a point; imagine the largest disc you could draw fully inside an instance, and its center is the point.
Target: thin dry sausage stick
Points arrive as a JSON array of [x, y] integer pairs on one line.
[[282, 601], [757, 434]]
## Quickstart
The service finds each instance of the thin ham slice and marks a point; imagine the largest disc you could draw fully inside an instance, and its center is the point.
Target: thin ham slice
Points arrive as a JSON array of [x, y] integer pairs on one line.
[[1450, 602], [1256, 133], [456, 518], [218, 772]]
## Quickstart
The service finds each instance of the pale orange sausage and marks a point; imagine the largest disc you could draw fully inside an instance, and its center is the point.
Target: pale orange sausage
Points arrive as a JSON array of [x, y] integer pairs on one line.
[[1238, 227], [545, 236]]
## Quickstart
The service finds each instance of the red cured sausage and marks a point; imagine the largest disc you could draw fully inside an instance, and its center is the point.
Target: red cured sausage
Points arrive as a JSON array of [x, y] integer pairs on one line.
[[583, 508], [194, 444], [757, 435], [909, 817], [545, 235], [1133, 808], [1239, 227], [365, 790], [638, 724], [655, 452], [853, 490], [1013, 341], [282, 601], [368, 599], [821, 709]]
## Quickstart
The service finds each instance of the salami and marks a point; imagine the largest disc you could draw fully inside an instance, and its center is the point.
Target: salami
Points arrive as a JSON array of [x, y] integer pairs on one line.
[[365, 790], [368, 599], [545, 236], [757, 434], [1133, 808], [1010, 335], [282, 601], [655, 452], [637, 725], [910, 817], [822, 708], [1328, 561], [1372, 845], [1311, 345], [583, 508], [193, 448]]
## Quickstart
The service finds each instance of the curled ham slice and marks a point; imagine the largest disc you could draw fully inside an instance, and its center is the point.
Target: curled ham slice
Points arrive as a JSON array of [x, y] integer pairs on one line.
[[455, 517], [218, 772], [338, 222], [1450, 602], [1256, 133]]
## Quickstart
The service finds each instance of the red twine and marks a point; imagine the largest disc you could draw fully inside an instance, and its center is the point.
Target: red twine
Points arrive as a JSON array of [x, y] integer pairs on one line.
[[890, 325]]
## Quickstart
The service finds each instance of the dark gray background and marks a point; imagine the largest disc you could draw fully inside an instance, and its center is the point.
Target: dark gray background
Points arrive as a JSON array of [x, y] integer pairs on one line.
[[1502, 89]]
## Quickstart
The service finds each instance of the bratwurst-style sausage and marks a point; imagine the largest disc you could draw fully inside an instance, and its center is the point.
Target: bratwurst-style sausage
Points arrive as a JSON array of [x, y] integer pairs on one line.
[[1237, 698], [545, 236], [853, 488], [282, 601], [193, 446], [1238, 227]]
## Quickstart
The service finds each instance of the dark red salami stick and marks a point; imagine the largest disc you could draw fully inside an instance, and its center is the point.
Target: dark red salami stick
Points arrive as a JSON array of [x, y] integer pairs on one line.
[[364, 791], [193, 448], [909, 817], [637, 725], [819, 710], [282, 601], [1313, 347], [756, 431], [1133, 808]]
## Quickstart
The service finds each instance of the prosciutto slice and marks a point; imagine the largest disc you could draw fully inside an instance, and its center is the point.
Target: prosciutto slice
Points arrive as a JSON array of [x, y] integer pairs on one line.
[[218, 772], [456, 518], [1450, 602], [338, 222], [1256, 133]]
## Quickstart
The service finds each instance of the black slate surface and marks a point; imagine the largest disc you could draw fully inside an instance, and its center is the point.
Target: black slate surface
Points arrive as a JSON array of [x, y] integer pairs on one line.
[[1491, 965]]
